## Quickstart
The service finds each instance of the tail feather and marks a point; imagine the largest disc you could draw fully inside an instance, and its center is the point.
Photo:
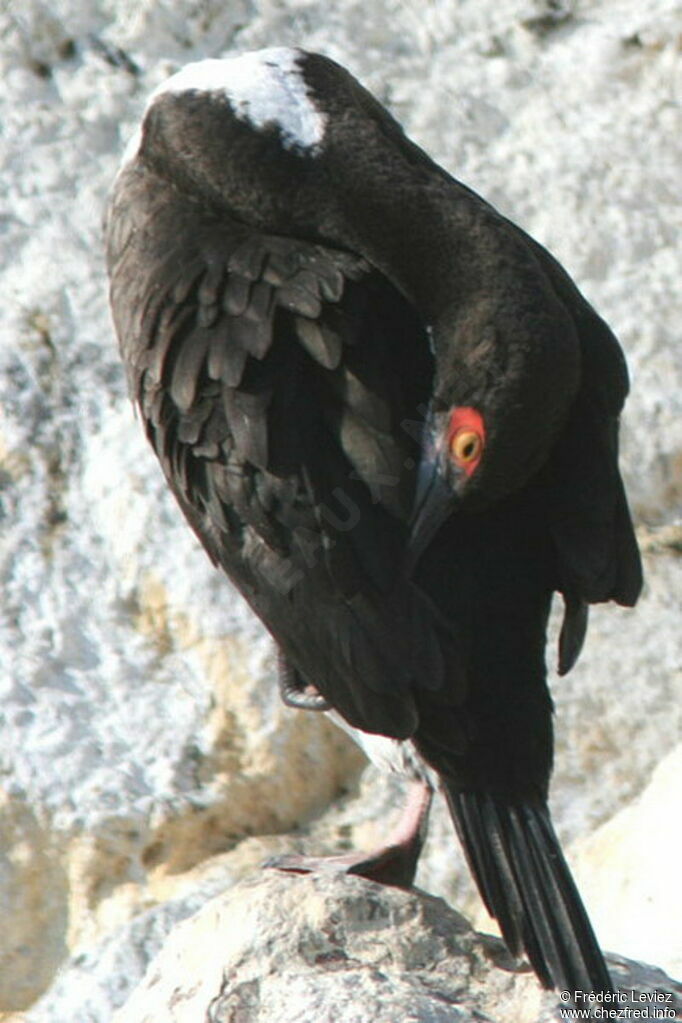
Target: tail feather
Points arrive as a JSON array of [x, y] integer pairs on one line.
[[526, 885]]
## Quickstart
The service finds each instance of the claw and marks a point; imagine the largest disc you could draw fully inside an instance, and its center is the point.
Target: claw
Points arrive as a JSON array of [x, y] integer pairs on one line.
[[295, 692]]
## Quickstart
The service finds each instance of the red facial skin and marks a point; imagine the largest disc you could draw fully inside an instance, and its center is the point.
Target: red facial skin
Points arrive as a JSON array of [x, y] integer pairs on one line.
[[466, 431]]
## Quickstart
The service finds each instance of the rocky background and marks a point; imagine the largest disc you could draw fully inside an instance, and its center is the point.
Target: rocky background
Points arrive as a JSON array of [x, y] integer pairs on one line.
[[146, 764]]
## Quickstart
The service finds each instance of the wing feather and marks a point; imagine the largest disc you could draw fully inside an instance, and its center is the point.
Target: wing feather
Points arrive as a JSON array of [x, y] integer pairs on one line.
[[273, 374], [323, 344]]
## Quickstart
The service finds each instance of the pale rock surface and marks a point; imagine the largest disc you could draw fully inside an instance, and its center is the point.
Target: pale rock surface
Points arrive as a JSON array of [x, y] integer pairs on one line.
[[335, 949], [140, 729], [630, 867]]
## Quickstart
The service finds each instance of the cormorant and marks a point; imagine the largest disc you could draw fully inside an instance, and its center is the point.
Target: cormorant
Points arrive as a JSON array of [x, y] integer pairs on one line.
[[391, 417]]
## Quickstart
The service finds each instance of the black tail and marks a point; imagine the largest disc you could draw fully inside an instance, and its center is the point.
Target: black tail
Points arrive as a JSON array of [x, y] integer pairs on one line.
[[526, 885]]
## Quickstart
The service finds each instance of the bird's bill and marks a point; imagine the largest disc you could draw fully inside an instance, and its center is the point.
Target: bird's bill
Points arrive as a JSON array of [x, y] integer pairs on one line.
[[435, 501]]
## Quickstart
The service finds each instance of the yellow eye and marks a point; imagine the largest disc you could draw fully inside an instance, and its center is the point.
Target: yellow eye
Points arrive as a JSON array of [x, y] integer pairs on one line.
[[466, 447], [466, 438]]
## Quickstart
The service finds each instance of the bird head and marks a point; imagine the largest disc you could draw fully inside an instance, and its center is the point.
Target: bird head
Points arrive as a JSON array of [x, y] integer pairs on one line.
[[507, 365]]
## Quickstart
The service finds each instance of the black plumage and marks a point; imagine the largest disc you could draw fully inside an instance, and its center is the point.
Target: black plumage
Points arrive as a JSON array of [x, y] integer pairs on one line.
[[391, 418]]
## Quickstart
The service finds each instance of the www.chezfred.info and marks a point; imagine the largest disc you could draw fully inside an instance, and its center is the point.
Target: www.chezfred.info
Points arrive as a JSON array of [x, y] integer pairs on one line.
[[617, 1005]]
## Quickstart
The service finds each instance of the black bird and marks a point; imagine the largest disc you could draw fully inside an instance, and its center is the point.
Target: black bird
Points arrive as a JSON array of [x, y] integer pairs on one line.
[[390, 416]]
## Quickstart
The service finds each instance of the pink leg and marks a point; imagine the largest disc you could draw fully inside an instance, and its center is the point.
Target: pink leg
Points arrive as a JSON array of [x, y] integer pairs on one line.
[[394, 863]]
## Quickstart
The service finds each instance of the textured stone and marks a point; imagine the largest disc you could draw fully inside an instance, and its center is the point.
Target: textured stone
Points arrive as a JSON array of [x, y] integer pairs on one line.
[[335, 949], [32, 902], [629, 871]]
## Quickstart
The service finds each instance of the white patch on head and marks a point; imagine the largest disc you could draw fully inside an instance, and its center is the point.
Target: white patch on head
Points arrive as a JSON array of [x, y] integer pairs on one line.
[[264, 87]]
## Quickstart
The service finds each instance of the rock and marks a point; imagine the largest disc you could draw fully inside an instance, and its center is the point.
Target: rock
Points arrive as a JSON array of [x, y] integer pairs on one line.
[[34, 904], [284, 949], [629, 869], [100, 978]]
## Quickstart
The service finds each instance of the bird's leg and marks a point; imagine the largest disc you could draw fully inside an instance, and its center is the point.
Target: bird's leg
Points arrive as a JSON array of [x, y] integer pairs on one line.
[[393, 863], [295, 692]]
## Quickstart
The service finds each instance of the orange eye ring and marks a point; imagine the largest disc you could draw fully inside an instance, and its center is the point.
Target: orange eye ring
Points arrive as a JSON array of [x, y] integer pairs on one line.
[[466, 447], [466, 438]]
